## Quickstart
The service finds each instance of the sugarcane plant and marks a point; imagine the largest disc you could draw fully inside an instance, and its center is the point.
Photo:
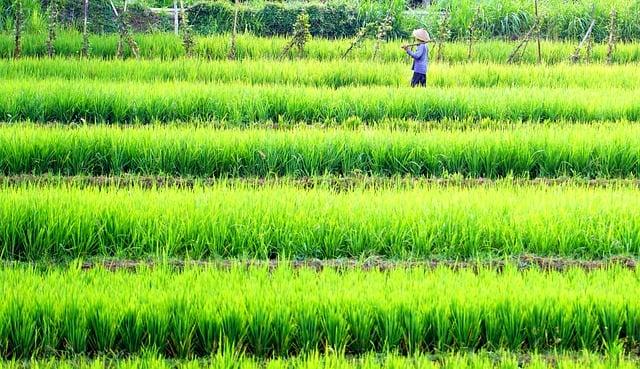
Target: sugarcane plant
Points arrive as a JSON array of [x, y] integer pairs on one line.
[[473, 30], [444, 33], [124, 31], [383, 29], [518, 53], [53, 24], [379, 31], [301, 34], [358, 40]]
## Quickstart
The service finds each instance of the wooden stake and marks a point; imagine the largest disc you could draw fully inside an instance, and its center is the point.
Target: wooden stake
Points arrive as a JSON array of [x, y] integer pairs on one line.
[[472, 31], [53, 20], [576, 55], [444, 34], [176, 24], [18, 22], [232, 49], [124, 31], [187, 35], [85, 31], [518, 52], [538, 33], [612, 36]]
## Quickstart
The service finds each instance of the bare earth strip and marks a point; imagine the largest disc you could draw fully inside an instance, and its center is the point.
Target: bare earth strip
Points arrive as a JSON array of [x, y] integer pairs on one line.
[[333, 182], [521, 263]]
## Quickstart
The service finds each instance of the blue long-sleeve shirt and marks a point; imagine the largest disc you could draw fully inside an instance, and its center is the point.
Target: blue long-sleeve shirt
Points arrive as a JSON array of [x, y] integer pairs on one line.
[[420, 59]]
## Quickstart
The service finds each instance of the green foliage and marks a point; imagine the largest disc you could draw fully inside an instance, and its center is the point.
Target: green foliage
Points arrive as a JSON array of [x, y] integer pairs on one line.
[[58, 223], [607, 151], [101, 18], [510, 19], [51, 100], [301, 34], [349, 309], [167, 46], [275, 18]]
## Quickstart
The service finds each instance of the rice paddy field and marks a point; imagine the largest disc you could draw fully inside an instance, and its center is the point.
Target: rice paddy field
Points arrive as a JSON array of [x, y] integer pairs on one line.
[[316, 211]]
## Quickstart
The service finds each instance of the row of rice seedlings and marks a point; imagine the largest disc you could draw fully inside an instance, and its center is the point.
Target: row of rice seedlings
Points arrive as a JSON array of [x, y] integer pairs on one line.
[[594, 151], [283, 312], [280, 221], [168, 46], [325, 73], [231, 360], [47, 100]]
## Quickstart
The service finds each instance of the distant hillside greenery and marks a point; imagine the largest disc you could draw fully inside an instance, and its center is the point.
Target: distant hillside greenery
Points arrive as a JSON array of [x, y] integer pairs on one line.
[[502, 19]]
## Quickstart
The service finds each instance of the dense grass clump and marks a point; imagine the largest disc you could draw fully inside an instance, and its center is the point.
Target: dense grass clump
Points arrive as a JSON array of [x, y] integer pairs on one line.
[[325, 73], [48, 100], [283, 312], [528, 151], [58, 223], [168, 46]]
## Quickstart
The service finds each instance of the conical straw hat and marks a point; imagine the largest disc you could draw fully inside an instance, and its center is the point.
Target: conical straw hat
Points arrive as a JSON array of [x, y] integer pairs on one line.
[[421, 35]]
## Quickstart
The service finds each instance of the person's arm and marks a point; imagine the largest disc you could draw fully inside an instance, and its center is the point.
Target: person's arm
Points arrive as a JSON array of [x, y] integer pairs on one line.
[[419, 52]]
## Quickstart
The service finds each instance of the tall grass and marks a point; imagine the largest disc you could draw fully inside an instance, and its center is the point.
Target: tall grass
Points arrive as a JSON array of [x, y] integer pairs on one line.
[[560, 19], [48, 100], [59, 222], [325, 73], [600, 151], [263, 314], [168, 46]]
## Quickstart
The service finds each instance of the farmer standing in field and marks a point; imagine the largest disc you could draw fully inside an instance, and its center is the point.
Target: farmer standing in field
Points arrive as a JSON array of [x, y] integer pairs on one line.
[[420, 57]]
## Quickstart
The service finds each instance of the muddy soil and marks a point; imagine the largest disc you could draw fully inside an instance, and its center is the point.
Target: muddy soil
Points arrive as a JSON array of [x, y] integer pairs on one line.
[[337, 183], [378, 264]]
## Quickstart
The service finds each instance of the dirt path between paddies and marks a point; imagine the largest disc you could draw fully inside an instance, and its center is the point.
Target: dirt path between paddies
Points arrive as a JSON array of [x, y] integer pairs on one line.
[[338, 183], [521, 263]]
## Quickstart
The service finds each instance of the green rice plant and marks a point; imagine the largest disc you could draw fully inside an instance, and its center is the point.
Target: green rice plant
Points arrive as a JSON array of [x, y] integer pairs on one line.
[[183, 326], [309, 328], [103, 329], [390, 332], [131, 331], [528, 151], [61, 222], [348, 306], [54, 100], [75, 330], [609, 330], [336, 330], [22, 330], [259, 330], [586, 329], [414, 330], [208, 331], [168, 46], [467, 326], [324, 74]]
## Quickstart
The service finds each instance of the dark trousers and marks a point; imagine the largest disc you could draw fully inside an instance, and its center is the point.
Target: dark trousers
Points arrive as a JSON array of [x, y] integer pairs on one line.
[[419, 79]]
